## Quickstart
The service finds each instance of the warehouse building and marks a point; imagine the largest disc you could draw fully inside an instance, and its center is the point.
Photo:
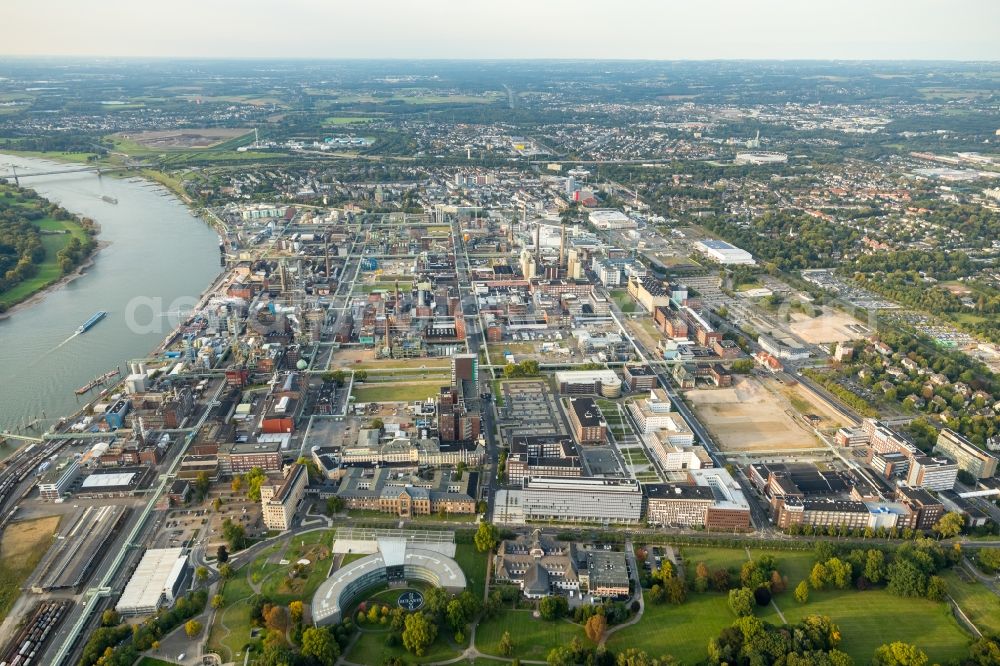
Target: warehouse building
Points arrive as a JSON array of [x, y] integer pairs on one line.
[[724, 253], [157, 581]]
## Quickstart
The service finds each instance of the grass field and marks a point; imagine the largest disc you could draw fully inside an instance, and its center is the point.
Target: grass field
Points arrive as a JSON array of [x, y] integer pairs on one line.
[[928, 624], [231, 630], [395, 392], [980, 605], [371, 648], [624, 301], [346, 120], [681, 631], [533, 638], [21, 548], [473, 563]]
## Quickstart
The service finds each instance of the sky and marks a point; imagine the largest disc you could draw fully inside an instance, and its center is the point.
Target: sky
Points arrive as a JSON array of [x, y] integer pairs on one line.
[[486, 29]]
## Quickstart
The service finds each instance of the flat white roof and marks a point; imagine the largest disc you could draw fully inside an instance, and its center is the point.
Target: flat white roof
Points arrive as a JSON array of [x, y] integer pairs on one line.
[[108, 480], [155, 574]]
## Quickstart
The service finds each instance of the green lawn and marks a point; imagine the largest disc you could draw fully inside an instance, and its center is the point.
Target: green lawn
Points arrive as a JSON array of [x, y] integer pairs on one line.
[[624, 301], [928, 624], [533, 638], [395, 392], [346, 120], [231, 629], [979, 604], [149, 661], [681, 631], [473, 563], [371, 648], [866, 621]]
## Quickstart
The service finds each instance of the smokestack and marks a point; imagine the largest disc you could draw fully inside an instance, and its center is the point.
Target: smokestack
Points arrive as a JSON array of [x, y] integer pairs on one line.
[[562, 246]]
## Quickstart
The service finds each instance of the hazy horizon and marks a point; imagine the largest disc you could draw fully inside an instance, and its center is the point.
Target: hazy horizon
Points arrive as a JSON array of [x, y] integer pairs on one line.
[[855, 30]]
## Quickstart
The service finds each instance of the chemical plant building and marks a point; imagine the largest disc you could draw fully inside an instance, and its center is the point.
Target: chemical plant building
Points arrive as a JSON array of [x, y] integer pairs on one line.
[[969, 457], [156, 582], [589, 426], [278, 503], [724, 253]]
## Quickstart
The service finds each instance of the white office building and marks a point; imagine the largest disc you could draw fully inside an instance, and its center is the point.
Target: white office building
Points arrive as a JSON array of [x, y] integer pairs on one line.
[[589, 500]]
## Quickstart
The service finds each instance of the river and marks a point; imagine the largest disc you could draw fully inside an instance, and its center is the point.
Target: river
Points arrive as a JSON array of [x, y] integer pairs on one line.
[[158, 260]]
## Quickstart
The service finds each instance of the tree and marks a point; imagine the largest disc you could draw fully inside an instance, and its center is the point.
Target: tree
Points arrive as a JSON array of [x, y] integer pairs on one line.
[[985, 651], [988, 559], [222, 554], [254, 479], [320, 645], [225, 570], [201, 484], [217, 601], [237, 484], [874, 569], [802, 592], [234, 534], [937, 589], [334, 505], [200, 574], [665, 572], [818, 576], [217, 504], [838, 572], [656, 594], [506, 644], [275, 618], [553, 607], [741, 601], [675, 591], [906, 579], [418, 633], [762, 596], [192, 628], [899, 653], [949, 525], [295, 609], [701, 575], [595, 627], [487, 537]]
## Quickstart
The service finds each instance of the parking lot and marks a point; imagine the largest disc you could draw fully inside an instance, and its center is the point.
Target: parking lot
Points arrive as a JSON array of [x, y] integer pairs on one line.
[[530, 408]]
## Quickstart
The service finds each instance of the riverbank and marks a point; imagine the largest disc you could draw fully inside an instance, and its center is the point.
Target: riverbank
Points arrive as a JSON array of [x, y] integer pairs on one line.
[[39, 295]]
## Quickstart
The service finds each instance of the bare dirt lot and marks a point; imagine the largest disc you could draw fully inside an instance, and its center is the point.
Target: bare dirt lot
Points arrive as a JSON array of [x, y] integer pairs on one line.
[[831, 326], [186, 138], [760, 415], [21, 539]]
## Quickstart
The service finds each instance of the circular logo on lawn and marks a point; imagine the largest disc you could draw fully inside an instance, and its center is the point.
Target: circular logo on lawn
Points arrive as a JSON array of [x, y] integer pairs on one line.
[[411, 600]]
